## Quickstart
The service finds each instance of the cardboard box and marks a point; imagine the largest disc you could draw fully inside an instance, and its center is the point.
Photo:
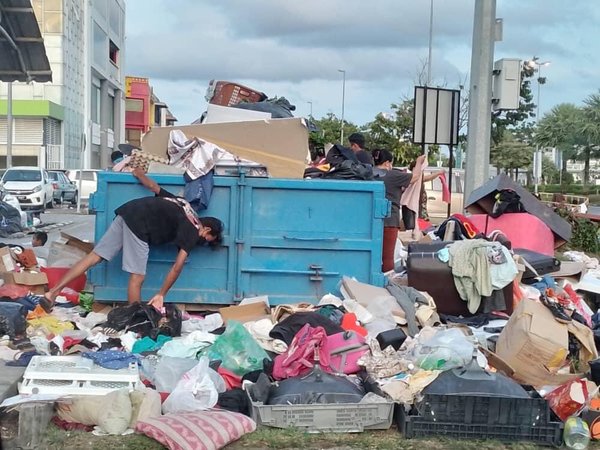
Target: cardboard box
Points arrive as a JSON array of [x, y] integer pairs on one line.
[[245, 313], [279, 144], [536, 346], [84, 246], [7, 263], [35, 281]]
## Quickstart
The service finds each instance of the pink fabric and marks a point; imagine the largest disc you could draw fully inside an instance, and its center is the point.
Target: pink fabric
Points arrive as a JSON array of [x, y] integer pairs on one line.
[[445, 191], [522, 229], [300, 356], [411, 197], [345, 349], [204, 430]]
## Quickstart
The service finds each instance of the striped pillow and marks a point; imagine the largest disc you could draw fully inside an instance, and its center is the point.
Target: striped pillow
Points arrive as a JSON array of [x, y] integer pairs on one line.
[[202, 430]]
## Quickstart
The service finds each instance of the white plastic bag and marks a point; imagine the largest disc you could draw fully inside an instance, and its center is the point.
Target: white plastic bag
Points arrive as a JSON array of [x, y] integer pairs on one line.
[[169, 371], [198, 389]]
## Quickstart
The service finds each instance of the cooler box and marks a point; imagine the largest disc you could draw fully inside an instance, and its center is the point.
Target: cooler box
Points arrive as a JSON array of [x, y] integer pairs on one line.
[[292, 240]]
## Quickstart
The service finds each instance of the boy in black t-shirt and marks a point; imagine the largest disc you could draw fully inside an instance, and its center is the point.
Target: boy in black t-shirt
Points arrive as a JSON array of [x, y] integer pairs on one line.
[[140, 223]]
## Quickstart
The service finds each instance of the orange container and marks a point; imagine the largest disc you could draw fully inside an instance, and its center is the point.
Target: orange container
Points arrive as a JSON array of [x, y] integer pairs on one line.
[[229, 94], [54, 275]]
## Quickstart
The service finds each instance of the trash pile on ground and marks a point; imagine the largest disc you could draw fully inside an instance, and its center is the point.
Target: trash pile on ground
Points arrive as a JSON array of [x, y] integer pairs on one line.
[[478, 332]]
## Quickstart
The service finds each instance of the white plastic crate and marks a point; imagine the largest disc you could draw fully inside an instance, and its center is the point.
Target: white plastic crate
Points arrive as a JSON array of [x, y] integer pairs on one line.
[[75, 375], [325, 418]]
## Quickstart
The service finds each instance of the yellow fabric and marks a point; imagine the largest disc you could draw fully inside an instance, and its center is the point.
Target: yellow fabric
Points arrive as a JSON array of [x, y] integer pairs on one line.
[[51, 325]]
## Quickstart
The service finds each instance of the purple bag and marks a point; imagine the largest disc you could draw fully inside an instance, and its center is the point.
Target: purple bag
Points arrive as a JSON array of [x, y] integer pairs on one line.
[[344, 351]]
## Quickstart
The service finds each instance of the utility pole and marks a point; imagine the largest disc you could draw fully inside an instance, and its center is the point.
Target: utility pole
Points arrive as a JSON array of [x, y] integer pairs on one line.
[[343, 103], [9, 126], [480, 96]]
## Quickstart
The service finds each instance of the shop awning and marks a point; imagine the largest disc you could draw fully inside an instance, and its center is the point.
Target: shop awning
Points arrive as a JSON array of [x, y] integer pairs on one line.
[[22, 52]]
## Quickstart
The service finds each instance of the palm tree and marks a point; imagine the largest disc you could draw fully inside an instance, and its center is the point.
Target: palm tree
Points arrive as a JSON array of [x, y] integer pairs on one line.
[[562, 128], [591, 130]]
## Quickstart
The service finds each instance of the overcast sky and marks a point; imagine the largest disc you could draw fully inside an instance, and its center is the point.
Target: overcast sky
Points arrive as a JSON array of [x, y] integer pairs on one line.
[[294, 49]]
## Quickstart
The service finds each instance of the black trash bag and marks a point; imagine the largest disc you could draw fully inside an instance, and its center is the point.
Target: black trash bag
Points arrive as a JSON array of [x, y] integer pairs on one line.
[[507, 201], [138, 317], [15, 315], [10, 220], [280, 108], [172, 326], [350, 170], [317, 387]]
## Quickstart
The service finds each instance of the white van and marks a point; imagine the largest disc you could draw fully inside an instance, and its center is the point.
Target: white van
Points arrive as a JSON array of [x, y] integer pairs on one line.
[[89, 181]]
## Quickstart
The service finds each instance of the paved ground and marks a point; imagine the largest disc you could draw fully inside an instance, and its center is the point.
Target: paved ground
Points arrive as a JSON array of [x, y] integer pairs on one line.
[[61, 219]]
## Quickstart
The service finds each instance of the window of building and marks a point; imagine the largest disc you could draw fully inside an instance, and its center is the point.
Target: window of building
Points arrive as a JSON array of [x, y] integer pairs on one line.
[[111, 112], [115, 18], [113, 53], [134, 105], [95, 104], [100, 41]]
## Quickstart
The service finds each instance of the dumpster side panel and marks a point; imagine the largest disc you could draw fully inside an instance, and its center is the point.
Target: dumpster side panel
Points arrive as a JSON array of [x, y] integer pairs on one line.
[[289, 239]]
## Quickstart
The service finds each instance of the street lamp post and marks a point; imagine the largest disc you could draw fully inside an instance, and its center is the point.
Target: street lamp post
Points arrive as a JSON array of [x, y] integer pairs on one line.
[[310, 103], [532, 64], [343, 103]]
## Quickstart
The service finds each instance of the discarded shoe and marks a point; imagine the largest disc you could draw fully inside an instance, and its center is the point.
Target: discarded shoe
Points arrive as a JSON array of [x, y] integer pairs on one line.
[[556, 309]]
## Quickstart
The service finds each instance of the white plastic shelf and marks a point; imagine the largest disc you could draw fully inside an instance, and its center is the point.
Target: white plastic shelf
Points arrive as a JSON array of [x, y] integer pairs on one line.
[[75, 375]]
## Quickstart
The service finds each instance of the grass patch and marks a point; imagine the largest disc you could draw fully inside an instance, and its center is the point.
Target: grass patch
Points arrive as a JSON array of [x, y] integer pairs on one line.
[[57, 439]]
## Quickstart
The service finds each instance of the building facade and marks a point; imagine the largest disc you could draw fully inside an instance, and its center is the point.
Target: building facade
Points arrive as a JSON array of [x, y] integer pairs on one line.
[[85, 42], [143, 110]]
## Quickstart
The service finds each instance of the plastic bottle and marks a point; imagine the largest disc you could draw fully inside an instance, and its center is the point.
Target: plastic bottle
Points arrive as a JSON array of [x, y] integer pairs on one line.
[[576, 434]]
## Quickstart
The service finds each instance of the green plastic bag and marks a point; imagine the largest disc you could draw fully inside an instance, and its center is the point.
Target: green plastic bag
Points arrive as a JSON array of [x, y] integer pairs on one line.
[[86, 300], [237, 350]]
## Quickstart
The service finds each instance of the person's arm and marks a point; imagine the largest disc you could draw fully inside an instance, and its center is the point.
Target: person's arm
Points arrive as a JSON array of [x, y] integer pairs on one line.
[[432, 176], [158, 300], [148, 183], [418, 169]]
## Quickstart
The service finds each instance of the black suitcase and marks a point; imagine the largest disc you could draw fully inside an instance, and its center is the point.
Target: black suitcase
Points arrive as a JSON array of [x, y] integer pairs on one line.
[[543, 264]]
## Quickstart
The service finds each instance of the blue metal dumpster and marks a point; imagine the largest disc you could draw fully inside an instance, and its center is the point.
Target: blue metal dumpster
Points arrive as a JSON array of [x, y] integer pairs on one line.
[[292, 240]]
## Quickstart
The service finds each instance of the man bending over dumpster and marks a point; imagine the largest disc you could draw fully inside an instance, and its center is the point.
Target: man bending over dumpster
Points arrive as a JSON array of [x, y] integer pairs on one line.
[[142, 223]]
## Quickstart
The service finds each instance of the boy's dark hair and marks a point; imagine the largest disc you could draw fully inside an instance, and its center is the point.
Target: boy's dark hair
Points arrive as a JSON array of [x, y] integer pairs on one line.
[[116, 155], [41, 236], [357, 138], [381, 155], [216, 229]]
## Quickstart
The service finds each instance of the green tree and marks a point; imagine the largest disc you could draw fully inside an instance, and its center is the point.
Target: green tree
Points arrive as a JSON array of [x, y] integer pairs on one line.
[[393, 131], [330, 127], [510, 154], [550, 173], [562, 128], [591, 132]]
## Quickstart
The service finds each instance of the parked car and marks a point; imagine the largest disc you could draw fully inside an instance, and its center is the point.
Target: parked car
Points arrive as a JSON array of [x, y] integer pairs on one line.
[[31, 186], [436, 208], [89, 181], [64, 189]]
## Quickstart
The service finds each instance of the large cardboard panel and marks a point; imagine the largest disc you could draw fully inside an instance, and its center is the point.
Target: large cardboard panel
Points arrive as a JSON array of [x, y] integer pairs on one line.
[[245, 313], [481, 201], [536, 346], [279, 144]]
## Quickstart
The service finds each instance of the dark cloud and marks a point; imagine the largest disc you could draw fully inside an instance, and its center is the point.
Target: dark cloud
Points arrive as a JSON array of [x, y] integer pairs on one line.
[[295, 47]]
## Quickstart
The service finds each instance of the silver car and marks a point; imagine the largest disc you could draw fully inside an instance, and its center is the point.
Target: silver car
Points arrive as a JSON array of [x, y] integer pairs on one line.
[[64, 189]]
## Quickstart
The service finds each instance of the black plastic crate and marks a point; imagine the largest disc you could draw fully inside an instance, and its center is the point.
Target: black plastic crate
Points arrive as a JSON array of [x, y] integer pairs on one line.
[[481, 410], [414, 426]]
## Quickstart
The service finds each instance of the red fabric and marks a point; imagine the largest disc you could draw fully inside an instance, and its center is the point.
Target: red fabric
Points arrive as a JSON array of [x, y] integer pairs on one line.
[[390, 234], [13, 291], [300, 356], [70, 426], [232, 380], [350, 323], [523, 230], [577, 301], [470, 228], [445, 191]]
